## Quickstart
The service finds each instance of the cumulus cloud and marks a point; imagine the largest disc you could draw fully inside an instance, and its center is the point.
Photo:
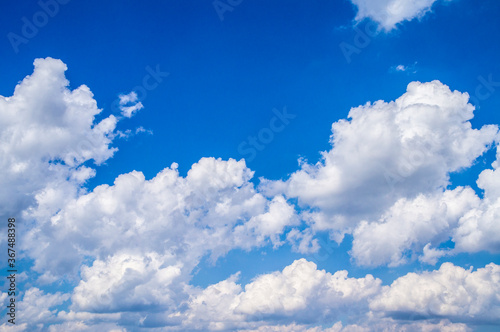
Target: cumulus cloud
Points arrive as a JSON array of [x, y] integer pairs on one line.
[[146, 236], [451, 291], [214, 307], [412, 226], [124, 282], [478, 229], [417, 227], [313, 296], [302, 286], [387, 151], [409, 69], [293, 328], [388, 13], [129, 104], [47, 133], [384, 181], [385, 325], [130, 248]]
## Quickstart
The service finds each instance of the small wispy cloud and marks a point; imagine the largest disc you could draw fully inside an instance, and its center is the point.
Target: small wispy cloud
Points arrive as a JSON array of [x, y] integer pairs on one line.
[[129, 133], [410, 69], [130, 104]]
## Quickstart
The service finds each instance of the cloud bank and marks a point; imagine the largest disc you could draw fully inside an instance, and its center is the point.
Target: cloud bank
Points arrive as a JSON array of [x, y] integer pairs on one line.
[[128, 250]]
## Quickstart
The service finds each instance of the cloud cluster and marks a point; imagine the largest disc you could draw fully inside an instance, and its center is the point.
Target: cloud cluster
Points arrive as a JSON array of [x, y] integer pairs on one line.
[[409, 226], [307, 295], [450, 291], [417, 227], [129, 249], [478, 229], [388, 13], [387, 152], [147, 236], [302, 286], [299, 292], [384, 325], [48, 132]]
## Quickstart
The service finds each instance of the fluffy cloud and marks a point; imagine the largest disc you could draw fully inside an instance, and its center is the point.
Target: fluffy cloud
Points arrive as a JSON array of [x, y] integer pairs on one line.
[[48, 132], [146, 236], [214, 307], [409, 225], [129, 104], [302, 286], [388, 13], [417, 227], [36, 307], [310, 295], [385, 152], [292, 328], [81, 326], [385, 325], [168, 212], [130, 248], [478, 229], [124, 282], [300, 291], [451, 291]]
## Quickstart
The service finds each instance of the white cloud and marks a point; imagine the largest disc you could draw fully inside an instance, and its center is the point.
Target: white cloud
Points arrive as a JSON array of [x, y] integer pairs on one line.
[[409, 69], [387, 151], [385, 325], [409, 225], [131, 247], [35, 308], [124, 282], [415, 228], [390, 325], [288, 328], [214, 307], [388, 13], [300, 291], [7, 327], [302, 286], [143, 234], [302, 241], [81, 326], [129, 104], [479, 228], [429, 220], [48, 132], [451, 291], [414, 302]]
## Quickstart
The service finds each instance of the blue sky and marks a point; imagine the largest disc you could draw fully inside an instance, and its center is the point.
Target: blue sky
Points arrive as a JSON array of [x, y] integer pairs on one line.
[[218, 165]]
